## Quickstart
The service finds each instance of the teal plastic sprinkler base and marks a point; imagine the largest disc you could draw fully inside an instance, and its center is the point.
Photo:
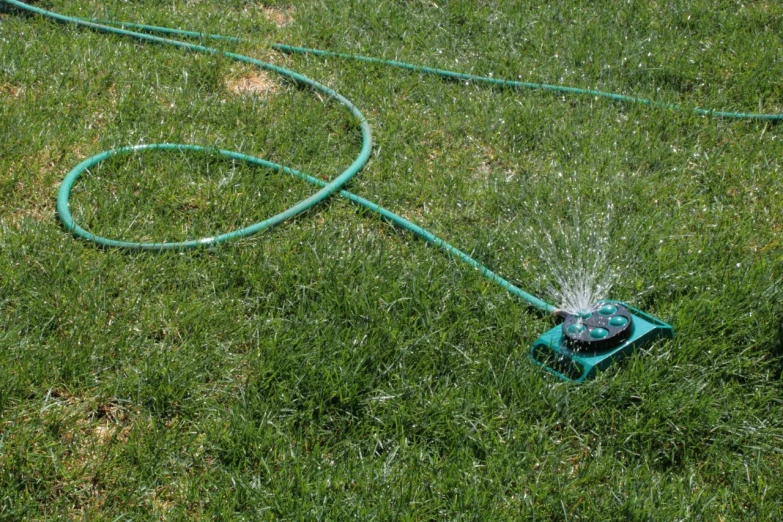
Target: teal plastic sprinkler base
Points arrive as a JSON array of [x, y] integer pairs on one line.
[[557, 354]]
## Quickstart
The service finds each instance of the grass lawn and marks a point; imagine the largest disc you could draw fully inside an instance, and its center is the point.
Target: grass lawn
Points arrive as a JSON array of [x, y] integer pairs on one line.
[[337, 368]]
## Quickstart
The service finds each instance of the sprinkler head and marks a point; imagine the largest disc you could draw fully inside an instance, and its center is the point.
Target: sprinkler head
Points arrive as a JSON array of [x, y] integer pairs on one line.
[[608, 325], [585, 343]]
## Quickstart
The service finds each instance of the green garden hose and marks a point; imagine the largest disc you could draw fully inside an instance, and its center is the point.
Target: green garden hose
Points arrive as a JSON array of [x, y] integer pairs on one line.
[[148, 33]]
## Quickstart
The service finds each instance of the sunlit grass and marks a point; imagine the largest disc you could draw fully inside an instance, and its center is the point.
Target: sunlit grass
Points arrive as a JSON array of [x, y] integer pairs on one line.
[[335, 367]]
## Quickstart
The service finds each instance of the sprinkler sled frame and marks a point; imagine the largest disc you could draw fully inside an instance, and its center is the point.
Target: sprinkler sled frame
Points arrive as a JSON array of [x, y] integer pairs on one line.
[[576, 349]]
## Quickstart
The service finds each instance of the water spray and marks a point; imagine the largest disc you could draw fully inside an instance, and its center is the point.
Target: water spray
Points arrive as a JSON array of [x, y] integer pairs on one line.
[[586, 341]]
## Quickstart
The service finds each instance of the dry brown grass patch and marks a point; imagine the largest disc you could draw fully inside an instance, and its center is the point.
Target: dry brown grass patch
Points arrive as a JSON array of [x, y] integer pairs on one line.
[[255, 82], [36, 202], [36, 187], [86, 427], [279, 17], [10, 91]]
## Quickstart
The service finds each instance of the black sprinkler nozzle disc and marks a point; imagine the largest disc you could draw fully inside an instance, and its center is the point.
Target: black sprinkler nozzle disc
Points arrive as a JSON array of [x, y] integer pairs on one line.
[[602, 329]]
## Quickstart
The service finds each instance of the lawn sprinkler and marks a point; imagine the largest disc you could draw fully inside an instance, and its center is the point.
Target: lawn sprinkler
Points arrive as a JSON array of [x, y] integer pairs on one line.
[[590, 341]]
